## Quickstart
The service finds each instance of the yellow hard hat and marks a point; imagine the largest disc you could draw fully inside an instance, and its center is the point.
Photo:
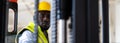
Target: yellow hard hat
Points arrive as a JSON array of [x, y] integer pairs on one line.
[[44, 6]]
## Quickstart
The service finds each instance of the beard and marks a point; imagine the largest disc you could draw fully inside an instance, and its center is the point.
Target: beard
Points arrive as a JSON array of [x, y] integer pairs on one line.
[[44, 25]]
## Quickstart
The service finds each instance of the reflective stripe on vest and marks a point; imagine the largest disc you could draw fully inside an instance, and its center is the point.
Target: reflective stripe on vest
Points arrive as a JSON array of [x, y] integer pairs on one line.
[[41, 36]]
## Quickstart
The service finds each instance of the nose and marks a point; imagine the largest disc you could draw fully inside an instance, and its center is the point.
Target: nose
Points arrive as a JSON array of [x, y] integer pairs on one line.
[[45, 18]]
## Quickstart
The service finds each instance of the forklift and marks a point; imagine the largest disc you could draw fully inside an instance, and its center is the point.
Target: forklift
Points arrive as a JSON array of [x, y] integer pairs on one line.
[[83, 26]]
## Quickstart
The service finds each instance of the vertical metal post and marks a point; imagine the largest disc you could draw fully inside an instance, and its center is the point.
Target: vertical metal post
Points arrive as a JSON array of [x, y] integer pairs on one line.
[[53, 22], [92, 21], [3, 14], [105, 13], [79, 21], [85, 21], [61, 21], [36, 21], [63, 12], [16, 18]]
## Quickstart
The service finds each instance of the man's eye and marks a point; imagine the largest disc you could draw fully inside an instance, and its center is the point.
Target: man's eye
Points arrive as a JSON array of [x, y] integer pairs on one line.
[[41, 15]]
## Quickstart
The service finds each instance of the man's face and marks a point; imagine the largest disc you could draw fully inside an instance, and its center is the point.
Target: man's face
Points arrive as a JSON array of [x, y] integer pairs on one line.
[[44, 19]]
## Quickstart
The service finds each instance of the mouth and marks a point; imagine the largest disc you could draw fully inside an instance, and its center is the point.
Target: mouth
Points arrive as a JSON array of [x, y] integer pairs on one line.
[[45, 24]]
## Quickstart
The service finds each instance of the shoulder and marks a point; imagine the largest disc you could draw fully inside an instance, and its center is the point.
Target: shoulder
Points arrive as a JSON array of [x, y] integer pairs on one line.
[[27, 33], [26, 36]]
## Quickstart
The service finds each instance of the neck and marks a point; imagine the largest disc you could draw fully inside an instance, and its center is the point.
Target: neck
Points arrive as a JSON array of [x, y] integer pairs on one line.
[[43, 29]]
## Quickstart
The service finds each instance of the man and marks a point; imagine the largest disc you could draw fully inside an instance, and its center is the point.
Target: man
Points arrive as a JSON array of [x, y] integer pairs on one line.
[[26, 35]]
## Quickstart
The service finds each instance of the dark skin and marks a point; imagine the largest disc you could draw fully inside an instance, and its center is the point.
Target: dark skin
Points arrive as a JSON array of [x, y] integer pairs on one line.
[[44, 21]]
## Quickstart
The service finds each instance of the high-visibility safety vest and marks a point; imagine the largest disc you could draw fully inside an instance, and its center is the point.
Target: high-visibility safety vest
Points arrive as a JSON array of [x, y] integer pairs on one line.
[[41, 37]]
